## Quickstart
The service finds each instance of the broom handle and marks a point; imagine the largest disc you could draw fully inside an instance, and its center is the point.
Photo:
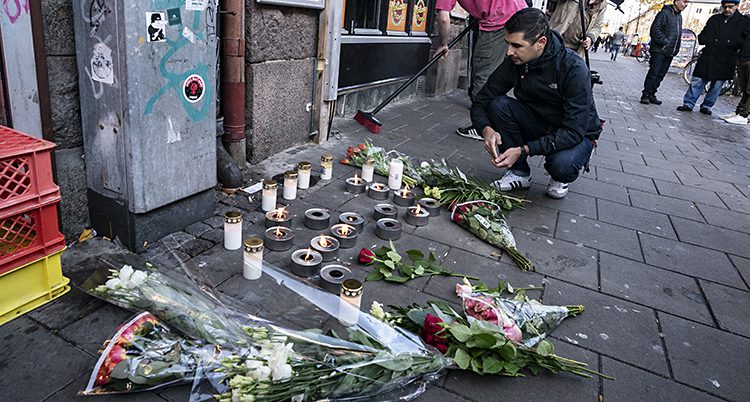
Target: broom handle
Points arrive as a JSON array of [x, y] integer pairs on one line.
[[583, 31], [433, 61]]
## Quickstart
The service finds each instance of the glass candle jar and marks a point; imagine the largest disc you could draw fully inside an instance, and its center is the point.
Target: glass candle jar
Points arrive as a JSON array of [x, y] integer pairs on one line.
[[268, 202], [326, 166], [395, 173], [368, 170], [290, 185], [233, 230], [303, 178], [349, 302], [252, 267]]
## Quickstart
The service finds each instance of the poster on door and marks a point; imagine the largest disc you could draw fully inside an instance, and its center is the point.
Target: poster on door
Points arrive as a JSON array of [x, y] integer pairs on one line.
[[419, 22], [397, 15]]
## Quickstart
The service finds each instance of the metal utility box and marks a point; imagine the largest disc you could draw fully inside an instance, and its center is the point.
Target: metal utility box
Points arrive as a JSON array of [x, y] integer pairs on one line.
[[147, 75]]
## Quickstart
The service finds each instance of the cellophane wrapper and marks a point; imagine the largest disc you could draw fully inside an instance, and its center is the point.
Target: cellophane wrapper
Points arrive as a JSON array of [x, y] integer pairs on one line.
[[275, 338]]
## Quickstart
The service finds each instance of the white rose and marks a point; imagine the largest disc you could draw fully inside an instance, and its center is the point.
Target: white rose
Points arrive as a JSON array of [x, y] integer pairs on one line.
[[298, 398], [253, 364], [282, 372], [376, 310], [138, 278], [113, 283], [125, 273], [262, 373]]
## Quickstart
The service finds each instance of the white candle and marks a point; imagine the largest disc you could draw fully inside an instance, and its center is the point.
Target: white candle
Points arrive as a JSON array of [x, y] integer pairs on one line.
[[368, 170], [268, 202], [349, 302], [326, 167], [395, 173], [252, 267], [233, 230], [303, 170], [290, 185]]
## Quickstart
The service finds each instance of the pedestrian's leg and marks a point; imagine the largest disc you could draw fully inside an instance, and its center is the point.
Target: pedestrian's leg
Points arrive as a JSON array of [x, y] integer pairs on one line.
[[743, 82], [564, 166], [654, 67], [713, 93], [517, 125], [694, 91], [661, 73], [489, 53]]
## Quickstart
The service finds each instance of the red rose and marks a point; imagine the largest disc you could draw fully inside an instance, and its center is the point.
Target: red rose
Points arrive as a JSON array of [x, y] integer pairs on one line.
[[366, 256], [344, 161], [362, 146], [433, 325]]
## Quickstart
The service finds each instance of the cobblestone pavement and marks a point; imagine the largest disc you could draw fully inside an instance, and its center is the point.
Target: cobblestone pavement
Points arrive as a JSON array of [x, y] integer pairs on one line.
[[653, 241]]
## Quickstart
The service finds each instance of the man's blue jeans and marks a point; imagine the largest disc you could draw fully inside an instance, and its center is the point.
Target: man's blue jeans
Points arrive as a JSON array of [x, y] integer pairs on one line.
[[613, 53], [696, 88], [518, 125]]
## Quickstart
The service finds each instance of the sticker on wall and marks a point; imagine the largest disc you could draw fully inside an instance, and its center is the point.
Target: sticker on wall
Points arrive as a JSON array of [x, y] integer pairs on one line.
[[188, 34], [194, 88], [101, 64], [196, 5], [156, 26], [174, 17]]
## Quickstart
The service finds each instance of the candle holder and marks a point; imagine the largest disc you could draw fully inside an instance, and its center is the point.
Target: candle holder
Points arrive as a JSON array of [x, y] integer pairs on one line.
[[385, 211], [350, 299], [431, 205], [327, 246], [403, 197], [303, 175], [252, 267], [279, 238], [278, 217], [368, 169], [332, 276], [345, 234], [232, 230], [353, 219], [388, 229], [290, 185], [416, 216], [378, 191], [268, 197], [317, 218], [326, 167], [306, 263], [356, 185]]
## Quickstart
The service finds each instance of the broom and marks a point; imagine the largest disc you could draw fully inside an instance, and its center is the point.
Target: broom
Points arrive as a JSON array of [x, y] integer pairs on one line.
[[368, 119]]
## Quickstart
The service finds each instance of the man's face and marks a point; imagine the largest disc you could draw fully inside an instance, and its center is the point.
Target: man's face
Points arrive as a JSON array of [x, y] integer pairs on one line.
[[728, 8], [680, 5], [521, 51]]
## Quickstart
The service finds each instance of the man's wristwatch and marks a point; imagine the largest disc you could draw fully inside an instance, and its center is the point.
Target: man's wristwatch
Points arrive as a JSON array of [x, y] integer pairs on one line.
[[523, 152]]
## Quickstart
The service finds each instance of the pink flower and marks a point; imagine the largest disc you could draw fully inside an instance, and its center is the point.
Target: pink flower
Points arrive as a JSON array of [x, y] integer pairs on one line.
[[366, 256], [462, 289], [489, 315], [513, 333]]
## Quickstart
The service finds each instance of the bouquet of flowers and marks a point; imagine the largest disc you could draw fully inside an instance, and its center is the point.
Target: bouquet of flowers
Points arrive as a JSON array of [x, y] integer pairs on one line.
[[485, 219], [356, 156], [504, 343], [233, 355], [389, 265]]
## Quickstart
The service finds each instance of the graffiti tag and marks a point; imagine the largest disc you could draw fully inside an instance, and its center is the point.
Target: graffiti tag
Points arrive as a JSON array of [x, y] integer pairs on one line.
[[14, 14]]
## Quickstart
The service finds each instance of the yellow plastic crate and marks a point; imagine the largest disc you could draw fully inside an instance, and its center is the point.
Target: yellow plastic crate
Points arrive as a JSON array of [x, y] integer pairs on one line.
[[31, 286]]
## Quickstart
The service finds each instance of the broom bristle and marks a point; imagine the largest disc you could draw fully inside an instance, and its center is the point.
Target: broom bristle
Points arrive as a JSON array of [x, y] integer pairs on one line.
[[368, 121]]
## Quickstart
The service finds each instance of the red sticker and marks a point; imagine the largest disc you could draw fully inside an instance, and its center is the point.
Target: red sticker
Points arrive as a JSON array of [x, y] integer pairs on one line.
[[194, 88]]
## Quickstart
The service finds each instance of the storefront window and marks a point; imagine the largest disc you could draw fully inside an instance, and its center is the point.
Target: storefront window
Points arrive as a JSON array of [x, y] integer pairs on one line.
[[386, 17]]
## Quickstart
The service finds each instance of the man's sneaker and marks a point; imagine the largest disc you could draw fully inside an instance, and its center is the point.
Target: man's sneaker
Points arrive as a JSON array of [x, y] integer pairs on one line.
[[557, 189], [512, 181], [645, 99], [469, 132], [706, 110], [727, 116], [684, 108], [737, 120], [653, 100]]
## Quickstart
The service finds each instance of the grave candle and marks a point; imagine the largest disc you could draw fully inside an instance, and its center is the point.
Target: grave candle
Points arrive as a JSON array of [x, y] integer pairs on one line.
[[252, 267], [268, 200], [306, 263], [326, 166], [403, 197], [278, 217], [345, 234], [417, 216], [279, 238], [232, 230], [431, 205], [378, 191], [368, 170], [349, 302], [290, 185], [303, 172], [384, 211], [317, 218], [353, 219], [395, 173], [355, 185], [388, 229], [327, 246], [332, 276]]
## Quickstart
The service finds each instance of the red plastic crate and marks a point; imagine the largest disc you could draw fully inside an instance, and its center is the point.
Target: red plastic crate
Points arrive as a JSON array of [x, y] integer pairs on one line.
[[25, 171], [28, 235]]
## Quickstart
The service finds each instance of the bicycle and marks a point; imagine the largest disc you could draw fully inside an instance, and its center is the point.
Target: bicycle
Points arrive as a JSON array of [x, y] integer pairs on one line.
[[643, 55], [687, 75]]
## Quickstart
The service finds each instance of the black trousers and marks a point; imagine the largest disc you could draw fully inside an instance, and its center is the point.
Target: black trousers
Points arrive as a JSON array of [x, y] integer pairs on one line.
[[657, 69]]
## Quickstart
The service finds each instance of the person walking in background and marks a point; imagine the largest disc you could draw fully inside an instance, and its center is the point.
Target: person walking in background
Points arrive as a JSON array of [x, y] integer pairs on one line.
[[617, 39], [597, 43], [722, 37], [607, 42], [666, 32], [490, 47], [565, 18], [739, 116]]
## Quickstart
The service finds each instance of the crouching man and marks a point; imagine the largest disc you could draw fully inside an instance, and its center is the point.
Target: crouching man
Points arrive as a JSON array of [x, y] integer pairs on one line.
[[553, 113]]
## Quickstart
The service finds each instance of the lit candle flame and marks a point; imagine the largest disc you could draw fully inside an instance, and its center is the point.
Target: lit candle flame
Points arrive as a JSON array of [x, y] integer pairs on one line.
[[308, 256], [356, 179], [417, 210], [406, 191], [344, 230], [280, 213], [377, 186], [323, 241], [351, 218], [278, 232]]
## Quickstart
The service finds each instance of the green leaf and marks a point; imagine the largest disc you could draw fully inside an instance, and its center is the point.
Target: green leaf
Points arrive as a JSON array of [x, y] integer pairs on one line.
[[431, 257], [462, 359], [390, 244], [461, 332], [482, 341], [440, 314], [407, 270], [508, 351], [390, 264], [393, 256], [511, 367], [381, 252], [415, 255], [419, 271], [545, 348], [399, 362], [476, 365], [417, 316], [374, 276], [386, 272], [491, 365], [397, 278]]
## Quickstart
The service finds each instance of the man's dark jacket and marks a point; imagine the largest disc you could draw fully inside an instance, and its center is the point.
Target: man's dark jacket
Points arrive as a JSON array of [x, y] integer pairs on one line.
[[666, 31], [723, 38], [745, 50], [556, 86]]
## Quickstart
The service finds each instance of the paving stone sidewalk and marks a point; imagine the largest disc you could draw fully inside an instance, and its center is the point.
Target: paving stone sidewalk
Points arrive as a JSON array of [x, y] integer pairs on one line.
[[653, 241]]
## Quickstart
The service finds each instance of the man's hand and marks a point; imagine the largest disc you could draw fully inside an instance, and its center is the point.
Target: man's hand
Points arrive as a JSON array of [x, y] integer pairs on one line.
[[508, 158], [491, 141], [442, 48], [587, 42]]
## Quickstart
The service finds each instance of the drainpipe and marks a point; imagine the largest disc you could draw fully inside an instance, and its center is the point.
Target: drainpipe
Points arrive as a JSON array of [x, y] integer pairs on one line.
[[233, 78]]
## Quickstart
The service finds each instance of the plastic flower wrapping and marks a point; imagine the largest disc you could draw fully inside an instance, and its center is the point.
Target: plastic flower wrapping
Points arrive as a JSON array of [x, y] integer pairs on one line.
[[281, 341]]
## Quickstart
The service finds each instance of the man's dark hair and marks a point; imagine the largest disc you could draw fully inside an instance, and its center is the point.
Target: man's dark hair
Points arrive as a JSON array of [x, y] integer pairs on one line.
[[531, 21], [620, 29]]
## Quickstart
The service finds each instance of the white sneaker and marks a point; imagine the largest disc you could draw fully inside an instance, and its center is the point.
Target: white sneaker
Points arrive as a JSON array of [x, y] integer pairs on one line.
[[727, 116], [556, 189], [469, 132], [511, 181], [737, 120]]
